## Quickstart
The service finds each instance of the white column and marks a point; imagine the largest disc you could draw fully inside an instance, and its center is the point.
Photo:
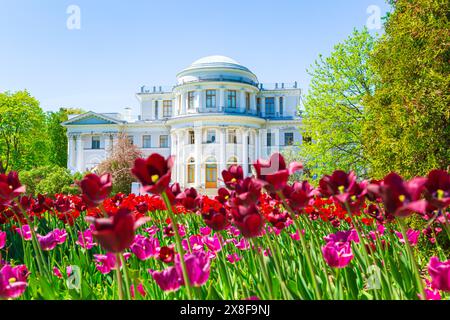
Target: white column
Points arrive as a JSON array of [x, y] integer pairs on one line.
[[80, 154], [242, 101], [277, 106], [198, 155], [253, 103], [263, 143], [276, 132], [183, 103], [181, 158], [263, 106], [257, 145], [221, 99], [71, 142], [245, 152], [173, 153], [107, 143], [222, 152], [198, 99]]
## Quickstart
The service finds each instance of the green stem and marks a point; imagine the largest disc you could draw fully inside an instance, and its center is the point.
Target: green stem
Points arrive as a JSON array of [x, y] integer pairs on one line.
[[304, 247], [125, 273], [413, 260], [119, 277], [178, 244]]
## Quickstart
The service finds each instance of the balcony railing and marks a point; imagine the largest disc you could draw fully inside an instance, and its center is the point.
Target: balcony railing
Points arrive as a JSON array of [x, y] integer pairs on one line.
[[260, 86]]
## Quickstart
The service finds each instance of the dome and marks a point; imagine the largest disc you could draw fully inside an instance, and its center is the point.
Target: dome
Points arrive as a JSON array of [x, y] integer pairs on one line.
[[216, 61], [216, 66]]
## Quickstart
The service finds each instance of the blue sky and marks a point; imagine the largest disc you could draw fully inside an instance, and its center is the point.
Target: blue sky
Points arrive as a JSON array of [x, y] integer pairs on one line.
[[125, 44]]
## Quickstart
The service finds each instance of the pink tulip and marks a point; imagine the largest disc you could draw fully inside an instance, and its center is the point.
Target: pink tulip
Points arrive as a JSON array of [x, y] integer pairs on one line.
[[412, 235], [440, 274], [233, 258], [13, 281], [196, 242], [2, 239], [343, 236], [86, 239], [168, 280], [337, 254], [213, 243], [24, 232], [53, 238], [145, 248]]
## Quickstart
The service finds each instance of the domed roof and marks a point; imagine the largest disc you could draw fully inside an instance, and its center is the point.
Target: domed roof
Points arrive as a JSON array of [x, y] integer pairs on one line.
[[216, 61]]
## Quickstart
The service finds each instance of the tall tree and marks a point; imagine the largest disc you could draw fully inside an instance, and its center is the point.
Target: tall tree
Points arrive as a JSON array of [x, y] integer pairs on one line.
[[120, 162], [58, 136], [333, 111], [23, 134], [408, 124]]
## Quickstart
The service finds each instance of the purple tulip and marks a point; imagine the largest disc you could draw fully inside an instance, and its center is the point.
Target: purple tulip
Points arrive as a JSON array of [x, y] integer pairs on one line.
[[53, 238], [198, 267], [412, 235], [24, 232], [440, 274], [2, 239], [168, 280], [144, 247], [86, 239], [337, 254], [13, 281], [343, 236]]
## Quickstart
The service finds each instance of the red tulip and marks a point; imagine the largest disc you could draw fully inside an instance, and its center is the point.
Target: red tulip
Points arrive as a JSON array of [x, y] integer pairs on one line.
[[400, 198], [154, 172], [95, 189], [274, 172], [116, 233], [437, 189], [216, 219], [189, 199], [248, 220], [232, 176], [10, 187]]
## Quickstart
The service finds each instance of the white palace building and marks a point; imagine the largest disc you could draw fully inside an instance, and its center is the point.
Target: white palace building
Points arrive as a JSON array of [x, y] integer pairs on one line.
[[216, 115]]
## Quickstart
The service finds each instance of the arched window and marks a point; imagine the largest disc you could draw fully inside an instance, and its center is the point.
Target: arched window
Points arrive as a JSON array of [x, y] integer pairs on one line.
[[191, 170], [232, 161]]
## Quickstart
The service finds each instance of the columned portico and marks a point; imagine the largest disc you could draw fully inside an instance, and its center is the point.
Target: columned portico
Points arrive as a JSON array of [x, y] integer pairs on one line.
[[221, 127]]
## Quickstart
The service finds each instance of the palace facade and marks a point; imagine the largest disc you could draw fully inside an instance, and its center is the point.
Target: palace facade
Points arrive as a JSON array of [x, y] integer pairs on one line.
[[216, 115]]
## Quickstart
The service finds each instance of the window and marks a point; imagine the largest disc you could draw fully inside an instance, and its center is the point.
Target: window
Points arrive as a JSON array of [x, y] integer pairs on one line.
[[146, 141], [258, 105], [210, 98], [232, 161], [288, 138], [167, 108], [191, 171], [281, 105], [231, 99], [270, 106], [156, 109], [191, 137], [269, 139], [247, 101], [232, 138], [95, 142], [211, 136], [130, 139], [164, 141], [191, 100]]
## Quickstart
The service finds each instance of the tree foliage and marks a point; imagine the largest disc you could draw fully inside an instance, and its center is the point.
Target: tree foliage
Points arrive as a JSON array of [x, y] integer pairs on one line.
[[50, 180], [58, 135], [407, 127], [333, 113], [120, 162], [23, 134]]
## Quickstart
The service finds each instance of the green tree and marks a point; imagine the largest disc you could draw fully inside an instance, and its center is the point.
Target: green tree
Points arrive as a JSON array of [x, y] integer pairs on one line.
[[23, 134], [50, 180], [58, 135], [407, 128], [333, 110]]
